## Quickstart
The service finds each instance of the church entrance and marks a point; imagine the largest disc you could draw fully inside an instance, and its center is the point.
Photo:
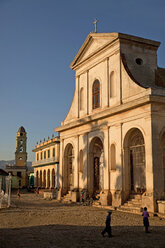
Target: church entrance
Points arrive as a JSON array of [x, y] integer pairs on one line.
[[68, 168], [135, 150], [95, 172]]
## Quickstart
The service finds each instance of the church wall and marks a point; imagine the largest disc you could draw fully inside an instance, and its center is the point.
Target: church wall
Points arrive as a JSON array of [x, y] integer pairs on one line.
[[97, 68], [127, 82], [83, 145], [96, 59], [98, 72], [115, 173], [158, 128], [83, 84], [112, 130], [145, 72], [131, 90], [114, 67], [73, 111]]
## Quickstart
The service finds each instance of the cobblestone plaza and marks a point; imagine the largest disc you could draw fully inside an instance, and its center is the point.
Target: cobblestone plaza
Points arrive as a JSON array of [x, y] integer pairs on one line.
[[35, 222]]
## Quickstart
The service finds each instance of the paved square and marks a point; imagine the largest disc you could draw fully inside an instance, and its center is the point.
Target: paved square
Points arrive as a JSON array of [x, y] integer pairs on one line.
[[35, 222]]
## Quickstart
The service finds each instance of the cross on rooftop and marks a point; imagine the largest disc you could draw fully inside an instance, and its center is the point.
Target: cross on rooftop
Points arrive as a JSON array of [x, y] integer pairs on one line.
[[95, 23]]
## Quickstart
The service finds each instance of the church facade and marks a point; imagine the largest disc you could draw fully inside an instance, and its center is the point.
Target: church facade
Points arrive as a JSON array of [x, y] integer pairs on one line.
[[112, 141]]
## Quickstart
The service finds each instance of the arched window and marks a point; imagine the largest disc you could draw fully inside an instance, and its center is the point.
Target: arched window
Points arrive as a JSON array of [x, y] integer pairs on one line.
[[53, 152], [96, 94], [113, 157], [81, 98], [81, 161], [112, 87]]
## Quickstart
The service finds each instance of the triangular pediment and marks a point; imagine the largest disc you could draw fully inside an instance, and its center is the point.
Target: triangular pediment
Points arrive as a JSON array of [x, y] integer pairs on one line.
[[94, 43]]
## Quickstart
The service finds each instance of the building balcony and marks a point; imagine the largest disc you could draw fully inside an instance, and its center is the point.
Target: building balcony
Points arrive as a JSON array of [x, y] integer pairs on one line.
[[44, 162]]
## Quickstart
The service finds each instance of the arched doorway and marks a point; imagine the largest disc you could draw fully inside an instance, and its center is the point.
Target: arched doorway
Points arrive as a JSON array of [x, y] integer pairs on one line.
[[48, 178], [163, 156], [44, 179], [134, 161], [68, 168], [40, 178], [53, 178], [96, 164]]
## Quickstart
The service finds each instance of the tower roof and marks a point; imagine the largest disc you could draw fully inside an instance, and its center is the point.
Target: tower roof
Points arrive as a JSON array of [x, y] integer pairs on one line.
[[21, 130]]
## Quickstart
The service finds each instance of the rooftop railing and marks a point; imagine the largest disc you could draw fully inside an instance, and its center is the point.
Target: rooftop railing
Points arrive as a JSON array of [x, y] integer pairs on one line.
[[44, 161]]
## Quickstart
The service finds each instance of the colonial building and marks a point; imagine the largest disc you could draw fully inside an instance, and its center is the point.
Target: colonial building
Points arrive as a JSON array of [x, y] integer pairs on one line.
[[19, 169], [112, 141], [46, 164]]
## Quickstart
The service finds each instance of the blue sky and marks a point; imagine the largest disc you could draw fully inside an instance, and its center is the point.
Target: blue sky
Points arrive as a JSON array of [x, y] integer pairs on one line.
[[38, 41]]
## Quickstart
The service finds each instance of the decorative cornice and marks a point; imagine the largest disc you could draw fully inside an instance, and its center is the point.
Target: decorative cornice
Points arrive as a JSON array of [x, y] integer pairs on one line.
[[112, 111]]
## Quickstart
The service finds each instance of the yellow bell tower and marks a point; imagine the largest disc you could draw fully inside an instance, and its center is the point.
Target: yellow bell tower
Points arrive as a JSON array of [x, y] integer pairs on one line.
[[21, 154], [19, 169]]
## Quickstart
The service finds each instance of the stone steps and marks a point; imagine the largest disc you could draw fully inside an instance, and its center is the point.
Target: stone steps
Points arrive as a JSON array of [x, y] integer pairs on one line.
[[66, 198], [134, 204]]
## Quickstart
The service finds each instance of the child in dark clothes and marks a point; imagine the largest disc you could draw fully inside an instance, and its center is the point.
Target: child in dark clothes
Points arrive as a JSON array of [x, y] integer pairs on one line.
[[108, 225], [145, 215]]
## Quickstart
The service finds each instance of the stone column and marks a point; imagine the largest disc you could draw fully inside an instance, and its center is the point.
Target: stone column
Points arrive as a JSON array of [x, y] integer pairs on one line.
[[51, 178], [87, 92], [108, 82], [57, 176], [116, 178], [85, 160], [77, 96], [105, 193], [61, 165], [148, 196], [76, 162], [157, 170], [46, 183], [106, 157], [41, 178]]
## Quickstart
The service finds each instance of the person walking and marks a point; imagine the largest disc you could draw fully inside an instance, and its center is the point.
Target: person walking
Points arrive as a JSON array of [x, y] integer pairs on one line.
[[145, 215], [107, 225], [18, 193], [37, 191]]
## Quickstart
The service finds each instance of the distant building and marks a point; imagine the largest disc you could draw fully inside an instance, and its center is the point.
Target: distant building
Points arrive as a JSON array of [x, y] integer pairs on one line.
[[46, 164], [19, 169]]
